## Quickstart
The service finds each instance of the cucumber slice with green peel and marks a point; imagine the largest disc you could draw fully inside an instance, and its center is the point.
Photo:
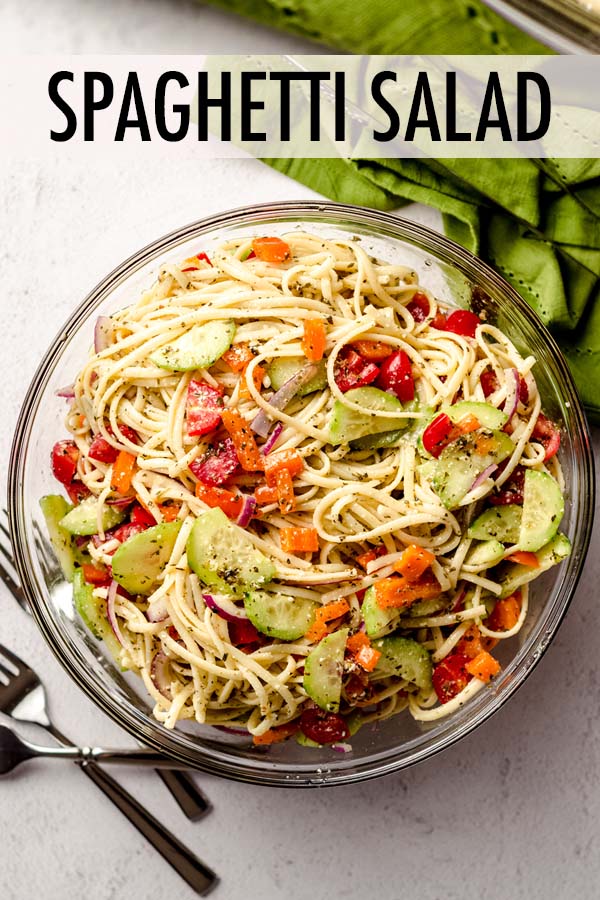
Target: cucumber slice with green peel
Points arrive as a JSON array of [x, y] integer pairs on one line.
[[487, 415], [543, 509], [347, 425], [404, 658], [512, 576], [285, 367], [499, 523], [198, 348], [378, 441], [485, 554], [139, 562], [306, 741], [55, 508], [323, 670], [377, 621], [92, 611], [461, 462], [83, 519], [278, 615], [222, 555], [423, 608]]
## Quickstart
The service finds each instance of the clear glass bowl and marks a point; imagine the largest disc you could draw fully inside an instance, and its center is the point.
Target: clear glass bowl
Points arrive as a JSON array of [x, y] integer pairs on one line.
[[569, 26], [453, 274]]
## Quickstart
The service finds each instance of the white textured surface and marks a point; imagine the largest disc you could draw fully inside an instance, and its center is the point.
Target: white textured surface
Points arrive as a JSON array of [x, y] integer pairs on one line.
[[510, 813]]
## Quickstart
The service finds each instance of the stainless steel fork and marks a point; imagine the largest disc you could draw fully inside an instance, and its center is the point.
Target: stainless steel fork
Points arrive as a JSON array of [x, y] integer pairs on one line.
[[22, 697], [185, 791]]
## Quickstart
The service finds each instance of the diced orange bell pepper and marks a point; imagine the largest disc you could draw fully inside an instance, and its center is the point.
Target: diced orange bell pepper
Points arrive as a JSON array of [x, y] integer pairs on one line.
[[525, 558], [257, 379], [271, 249], [277, 734], [264, 494], [169, 511], [122, 472], [473, 642], [372, 351], [243, 439], [238, 356], [285, 491], [314, 340], [483, 666], [505, 614], [324, 614], [364, 559], [229, 501], [94, 574], [414, 562], [299, 540], [364, 654], [396, 592], [282, 459]]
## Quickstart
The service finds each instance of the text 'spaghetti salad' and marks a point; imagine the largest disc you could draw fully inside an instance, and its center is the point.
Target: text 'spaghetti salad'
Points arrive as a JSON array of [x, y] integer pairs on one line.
[[304, 494]]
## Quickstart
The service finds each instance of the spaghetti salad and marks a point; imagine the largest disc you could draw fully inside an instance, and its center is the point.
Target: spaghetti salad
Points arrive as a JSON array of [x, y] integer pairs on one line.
[[304, 495]]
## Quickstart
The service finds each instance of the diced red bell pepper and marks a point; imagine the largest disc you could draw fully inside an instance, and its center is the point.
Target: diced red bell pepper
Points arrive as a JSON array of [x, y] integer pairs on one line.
[[450, 676], [65, 457], [141, 516], [462, 321], [203, 258], [547, 434], [323, 727], [396, 377], [352, 371], [419, 307], [203, 407], [218, 464], [102, 451], [435, 436], [244, 635]]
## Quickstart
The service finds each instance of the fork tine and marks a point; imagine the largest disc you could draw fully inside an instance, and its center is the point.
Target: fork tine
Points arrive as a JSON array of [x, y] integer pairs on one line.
[[13, 658], [8, 572]]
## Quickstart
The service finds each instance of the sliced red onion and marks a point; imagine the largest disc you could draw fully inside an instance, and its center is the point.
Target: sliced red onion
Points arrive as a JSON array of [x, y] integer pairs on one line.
[[120, 502], [261, 423], [342, 747], [159, 676], [512, 396], [482, 477], [103, 333], [158, 611], [248, 510], [224, 608], [68, 392], [272, 440], [229, 730], [110, 611]]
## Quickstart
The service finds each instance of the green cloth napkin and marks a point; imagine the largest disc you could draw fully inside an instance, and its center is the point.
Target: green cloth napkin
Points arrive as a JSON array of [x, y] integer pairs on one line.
[[536, 221]]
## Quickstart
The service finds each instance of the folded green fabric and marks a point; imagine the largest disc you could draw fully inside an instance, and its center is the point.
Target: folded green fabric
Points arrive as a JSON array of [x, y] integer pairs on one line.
[[536, 221]]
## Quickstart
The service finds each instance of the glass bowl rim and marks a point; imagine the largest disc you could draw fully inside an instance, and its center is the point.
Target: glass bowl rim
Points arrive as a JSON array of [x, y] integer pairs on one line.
[[139, 724]]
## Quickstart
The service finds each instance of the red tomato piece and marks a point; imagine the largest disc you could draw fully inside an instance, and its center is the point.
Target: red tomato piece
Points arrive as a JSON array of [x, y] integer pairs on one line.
[[353, 372], [547, 434], [462, 321], [450, 676], [523, 391], [218, 464], [202, 408], [419, 307], [511, 491], [65, 457], [141, 516], [77, 492], [243, 633], [124, 532], [437, 433], [489, 382], [102, 451], [323, 727], [99, 577], [395, 376]]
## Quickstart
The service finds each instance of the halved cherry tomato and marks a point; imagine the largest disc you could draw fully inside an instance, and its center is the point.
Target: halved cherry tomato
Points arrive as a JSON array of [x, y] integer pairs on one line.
[[450, 676], [141, 516], [323, 727], [203, 407], [77, 492], [512, 490], [443, 431], [396, 377], [102, 451], [351, 371], [65, 457], [547, 434], [218, 464], [462, 321], [419, 307], [489, 382]]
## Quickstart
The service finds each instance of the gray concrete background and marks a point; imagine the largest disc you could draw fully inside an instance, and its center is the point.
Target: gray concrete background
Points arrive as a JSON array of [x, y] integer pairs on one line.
[[511, 812]]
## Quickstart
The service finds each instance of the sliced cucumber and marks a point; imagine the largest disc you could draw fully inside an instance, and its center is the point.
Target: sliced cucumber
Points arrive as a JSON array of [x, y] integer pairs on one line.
[[513, 575], [424, 608], [278, 615], [221, 554], [198, 348], [485, 554], [92, 611], [323, 670], [543, 509], [138, 562], [500, 523], [378, 441], [377, 621], [55, 508], [285, 367], [404, 658], [348, 425], [83, 519], [306, 741], [487, 415], [461, 462]]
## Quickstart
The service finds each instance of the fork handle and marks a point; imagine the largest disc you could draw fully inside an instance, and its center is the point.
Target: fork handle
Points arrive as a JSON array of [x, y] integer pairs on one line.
[[198, 876], [193, 803]]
